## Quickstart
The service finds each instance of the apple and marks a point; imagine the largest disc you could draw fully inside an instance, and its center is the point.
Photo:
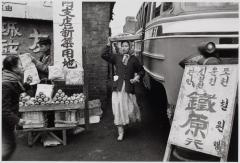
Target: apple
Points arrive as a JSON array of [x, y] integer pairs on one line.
[[43, 96], [67, 102], [57, 95], [46, 99], [21, 104], [54, 99]]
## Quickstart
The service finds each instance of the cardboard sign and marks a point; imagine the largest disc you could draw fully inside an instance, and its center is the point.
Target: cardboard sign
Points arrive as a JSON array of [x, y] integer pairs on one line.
[[31, 71], [205, 107], [25, 60]]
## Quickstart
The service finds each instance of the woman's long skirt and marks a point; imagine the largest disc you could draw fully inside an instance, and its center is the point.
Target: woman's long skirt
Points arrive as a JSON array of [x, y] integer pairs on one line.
[[125, 107]]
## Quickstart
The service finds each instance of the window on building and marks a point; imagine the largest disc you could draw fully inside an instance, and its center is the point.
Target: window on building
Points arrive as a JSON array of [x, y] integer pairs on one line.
[[147, 13], [157, 9]]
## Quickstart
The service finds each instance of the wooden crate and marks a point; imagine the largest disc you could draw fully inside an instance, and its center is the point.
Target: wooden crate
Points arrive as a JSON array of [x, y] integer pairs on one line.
[[65, 118], [37, 119], [92, 119], [95, 112]]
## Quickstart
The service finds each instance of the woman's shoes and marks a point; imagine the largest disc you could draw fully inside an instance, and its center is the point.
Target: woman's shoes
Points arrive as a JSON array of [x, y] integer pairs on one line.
[[120, 133], [120, 137]]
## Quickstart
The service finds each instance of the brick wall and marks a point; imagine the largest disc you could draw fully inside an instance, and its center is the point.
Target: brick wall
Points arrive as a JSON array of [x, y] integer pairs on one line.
[[96, 19]]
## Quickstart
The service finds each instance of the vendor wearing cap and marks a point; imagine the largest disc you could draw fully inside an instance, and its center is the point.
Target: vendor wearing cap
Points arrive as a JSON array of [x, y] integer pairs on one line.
[[45, 59]]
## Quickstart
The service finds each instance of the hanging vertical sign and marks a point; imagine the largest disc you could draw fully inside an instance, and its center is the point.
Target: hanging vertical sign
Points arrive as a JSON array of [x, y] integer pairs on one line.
[[67, 16], [205, 109]]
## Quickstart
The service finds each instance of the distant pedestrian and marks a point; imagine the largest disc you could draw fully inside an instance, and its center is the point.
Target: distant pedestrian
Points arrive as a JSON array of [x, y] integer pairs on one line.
[[12, 87], [128, 73]]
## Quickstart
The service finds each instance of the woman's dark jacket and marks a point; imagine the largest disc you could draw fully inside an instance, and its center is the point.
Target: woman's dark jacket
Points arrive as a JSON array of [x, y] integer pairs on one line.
[[12, 87], [124, 72]]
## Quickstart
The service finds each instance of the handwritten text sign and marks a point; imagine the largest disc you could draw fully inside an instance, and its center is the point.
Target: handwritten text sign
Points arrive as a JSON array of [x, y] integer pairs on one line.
[[68, 33], [205, 108]]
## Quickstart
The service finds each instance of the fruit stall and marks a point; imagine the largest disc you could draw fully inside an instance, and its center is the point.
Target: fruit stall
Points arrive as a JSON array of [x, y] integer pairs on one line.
[[56, 105], [64, 110]]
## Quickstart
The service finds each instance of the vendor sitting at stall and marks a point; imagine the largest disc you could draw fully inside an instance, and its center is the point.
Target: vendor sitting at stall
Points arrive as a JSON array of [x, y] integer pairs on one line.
[[43, 71], [45, 59]]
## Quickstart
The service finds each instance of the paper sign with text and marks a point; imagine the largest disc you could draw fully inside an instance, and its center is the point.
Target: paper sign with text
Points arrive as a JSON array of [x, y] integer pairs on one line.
[[67, 25], [205, 107]]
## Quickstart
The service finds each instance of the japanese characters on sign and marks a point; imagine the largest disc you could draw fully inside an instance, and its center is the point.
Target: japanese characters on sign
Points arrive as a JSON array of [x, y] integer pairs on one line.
[[27, 9], [6, 7], [204, 110], [14, 35], [67, 33], [10, 29], [36, 36]]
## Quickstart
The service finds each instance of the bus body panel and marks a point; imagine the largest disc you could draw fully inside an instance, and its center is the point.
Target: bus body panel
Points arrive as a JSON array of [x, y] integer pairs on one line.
[[177, 34]]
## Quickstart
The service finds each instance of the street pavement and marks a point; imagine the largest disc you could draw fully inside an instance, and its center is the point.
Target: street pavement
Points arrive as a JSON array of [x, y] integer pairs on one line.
[[144, 141]]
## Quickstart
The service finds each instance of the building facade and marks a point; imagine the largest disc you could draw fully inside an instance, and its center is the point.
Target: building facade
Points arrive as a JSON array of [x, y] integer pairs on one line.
[[130, 25], [23, 26]]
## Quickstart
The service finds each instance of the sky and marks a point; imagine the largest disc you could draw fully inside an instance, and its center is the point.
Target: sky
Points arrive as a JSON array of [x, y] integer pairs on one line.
[[121, 10]]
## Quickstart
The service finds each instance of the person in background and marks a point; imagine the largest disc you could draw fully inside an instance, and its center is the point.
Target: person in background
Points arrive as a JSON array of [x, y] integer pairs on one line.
[[45, 59], [12, 87], [128, 73]]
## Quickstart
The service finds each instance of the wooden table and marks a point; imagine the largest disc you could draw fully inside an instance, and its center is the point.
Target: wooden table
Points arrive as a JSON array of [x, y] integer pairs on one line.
[[45, 130], [51, 107]]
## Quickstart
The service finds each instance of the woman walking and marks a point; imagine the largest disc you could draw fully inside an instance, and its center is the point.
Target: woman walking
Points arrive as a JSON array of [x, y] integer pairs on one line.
[[12, 87], [128, 72]]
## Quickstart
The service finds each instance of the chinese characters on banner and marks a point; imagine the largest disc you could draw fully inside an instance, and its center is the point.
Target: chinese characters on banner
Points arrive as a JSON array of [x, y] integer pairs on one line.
[[68, 33], [13, 38], [204, 110], [10, 45]]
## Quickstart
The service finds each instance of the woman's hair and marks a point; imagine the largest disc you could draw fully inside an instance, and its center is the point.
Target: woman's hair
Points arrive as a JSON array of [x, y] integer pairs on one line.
[[10, 62]]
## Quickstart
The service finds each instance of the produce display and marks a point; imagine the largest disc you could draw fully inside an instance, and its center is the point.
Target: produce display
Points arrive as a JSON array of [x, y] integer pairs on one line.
[[40, 99], [59, 98]]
